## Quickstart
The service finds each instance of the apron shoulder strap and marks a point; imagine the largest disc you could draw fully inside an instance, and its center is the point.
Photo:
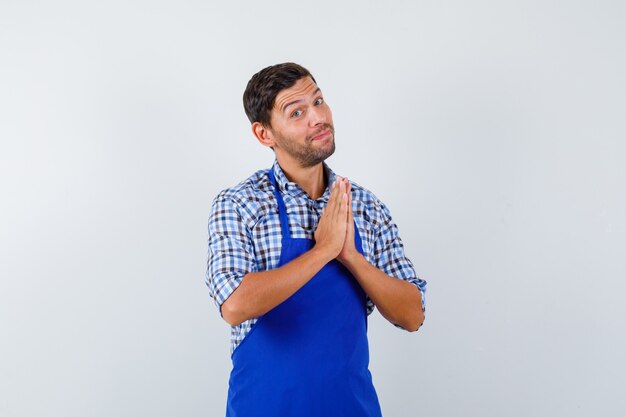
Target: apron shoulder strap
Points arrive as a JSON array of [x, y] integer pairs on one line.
[[282, 212]]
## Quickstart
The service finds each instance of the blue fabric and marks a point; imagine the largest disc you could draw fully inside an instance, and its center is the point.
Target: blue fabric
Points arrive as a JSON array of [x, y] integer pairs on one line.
[[308, 356], [244, 234]]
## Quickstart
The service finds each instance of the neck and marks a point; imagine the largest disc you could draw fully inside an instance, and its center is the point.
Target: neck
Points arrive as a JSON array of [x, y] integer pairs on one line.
[[310, 179]]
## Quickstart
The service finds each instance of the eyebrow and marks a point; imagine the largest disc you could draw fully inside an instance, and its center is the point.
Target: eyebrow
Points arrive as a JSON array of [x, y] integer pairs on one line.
[[317, 90]]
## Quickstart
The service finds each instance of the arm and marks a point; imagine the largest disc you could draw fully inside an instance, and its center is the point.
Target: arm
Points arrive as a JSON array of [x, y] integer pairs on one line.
[[259, 292], [398, 300]]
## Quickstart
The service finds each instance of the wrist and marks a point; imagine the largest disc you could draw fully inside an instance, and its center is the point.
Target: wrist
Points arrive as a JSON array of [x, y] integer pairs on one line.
[[350, 258], [324, 253]]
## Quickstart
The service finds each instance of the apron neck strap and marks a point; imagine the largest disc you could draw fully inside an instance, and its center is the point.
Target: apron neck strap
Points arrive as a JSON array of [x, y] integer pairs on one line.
[[282, 212]]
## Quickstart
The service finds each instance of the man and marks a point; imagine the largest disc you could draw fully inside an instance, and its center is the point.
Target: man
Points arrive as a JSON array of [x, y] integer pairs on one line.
[[298, 258]]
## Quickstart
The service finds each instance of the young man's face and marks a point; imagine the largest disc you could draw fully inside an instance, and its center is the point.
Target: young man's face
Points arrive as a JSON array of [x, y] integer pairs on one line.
[[302, 124]]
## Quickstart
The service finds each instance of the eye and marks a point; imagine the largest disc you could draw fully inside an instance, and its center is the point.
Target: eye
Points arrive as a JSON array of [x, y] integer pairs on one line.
[[296, 113], [319, 101]]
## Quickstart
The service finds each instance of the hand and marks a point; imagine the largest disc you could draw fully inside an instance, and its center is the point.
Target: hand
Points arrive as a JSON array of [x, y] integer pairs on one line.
[[349, 249], [331, 229]]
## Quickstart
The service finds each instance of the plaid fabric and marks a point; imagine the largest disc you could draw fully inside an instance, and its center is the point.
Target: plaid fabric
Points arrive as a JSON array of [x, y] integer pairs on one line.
[[244, 235]]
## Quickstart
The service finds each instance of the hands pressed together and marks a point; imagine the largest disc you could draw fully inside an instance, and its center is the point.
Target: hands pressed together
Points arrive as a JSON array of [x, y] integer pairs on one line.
[[335, 230]]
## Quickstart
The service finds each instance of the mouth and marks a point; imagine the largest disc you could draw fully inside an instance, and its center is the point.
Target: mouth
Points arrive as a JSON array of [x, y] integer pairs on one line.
[[321, 136]]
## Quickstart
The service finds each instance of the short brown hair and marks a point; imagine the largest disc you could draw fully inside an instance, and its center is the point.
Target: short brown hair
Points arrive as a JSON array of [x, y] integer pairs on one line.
[[264, 86]]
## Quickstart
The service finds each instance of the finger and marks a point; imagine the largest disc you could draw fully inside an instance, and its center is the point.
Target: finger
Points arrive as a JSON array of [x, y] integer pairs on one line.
[[337, 182], [344, 202], [350, 218], [342, 195], [349, 201], [350, 225], [331, 199], [335, 197], [348, 187]]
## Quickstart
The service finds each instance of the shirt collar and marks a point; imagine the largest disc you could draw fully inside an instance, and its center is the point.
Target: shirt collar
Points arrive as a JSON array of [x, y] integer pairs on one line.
[[287, 186]]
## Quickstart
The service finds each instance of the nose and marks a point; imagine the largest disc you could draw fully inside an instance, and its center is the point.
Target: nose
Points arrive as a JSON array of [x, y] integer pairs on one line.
[[319, 115]]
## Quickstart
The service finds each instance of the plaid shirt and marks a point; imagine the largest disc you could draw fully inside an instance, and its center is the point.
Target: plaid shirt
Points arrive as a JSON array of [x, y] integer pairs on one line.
[[245, 235]]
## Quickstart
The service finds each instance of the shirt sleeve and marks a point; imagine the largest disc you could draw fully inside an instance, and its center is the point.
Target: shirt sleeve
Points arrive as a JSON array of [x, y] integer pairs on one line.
[[389, 255], [230, 253]]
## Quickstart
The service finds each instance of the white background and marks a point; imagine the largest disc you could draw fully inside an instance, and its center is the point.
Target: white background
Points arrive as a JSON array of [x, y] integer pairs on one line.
[[494, 131]]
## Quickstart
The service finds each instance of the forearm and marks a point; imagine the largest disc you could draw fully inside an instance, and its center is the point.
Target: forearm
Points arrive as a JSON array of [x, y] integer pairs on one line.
[[259, 292], [398, 301]]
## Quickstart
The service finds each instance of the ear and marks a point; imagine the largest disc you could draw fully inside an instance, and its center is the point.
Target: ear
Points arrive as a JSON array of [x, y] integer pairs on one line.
[[263, 134]]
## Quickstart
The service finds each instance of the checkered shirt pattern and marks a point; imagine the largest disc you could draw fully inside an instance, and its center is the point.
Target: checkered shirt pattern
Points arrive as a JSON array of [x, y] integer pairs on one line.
[[244, 235]]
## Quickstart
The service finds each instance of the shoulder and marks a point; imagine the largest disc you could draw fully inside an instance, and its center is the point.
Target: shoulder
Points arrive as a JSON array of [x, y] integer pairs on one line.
[[248, 198]]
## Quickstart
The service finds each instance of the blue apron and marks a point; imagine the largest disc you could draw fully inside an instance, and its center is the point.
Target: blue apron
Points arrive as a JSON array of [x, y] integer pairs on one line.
[[309, 355]]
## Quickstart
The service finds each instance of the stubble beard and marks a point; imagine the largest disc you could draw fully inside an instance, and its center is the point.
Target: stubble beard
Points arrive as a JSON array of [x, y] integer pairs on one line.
[[308, 155]]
